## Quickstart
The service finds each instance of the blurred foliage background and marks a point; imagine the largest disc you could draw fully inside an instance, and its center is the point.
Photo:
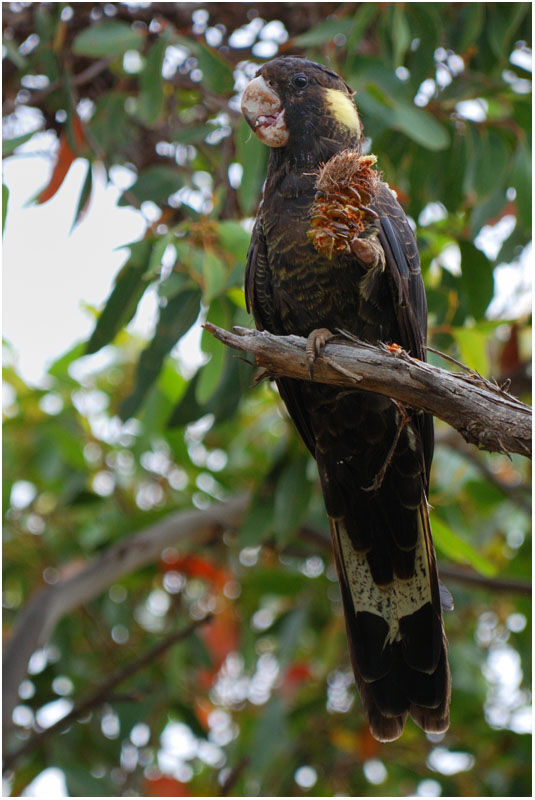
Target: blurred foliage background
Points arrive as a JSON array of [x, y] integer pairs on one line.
[[261, 700]]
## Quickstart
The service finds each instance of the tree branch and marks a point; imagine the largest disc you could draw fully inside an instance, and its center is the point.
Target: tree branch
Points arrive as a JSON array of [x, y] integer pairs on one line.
[[462, 575], [102, 693], [482, 412], [80, 584]]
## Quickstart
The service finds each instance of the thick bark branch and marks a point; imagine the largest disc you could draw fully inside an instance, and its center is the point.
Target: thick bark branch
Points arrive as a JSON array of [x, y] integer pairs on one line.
[[482, 412]]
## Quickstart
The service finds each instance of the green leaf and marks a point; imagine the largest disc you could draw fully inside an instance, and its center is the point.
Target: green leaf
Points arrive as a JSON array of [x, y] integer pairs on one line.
[[426, 25], [212, 372], [477, 279], [504, 20], [362, 19], [60, 367], [290, 627], [193, 133], [187, 409], [85, 196], [154, 268], [176, 318], [452, 546], [274, 582], [374, 103], [491, 162], [5, 201], [175, 283], [292, 496], [155, 183], [420, 126], [521, 180], [473, 348], [488, 210], [236, 380], [122, 303], [108, 38], [401, 35], [234, 239], [214, 274], [252, 155], [472, 24], [270, 738], [187, 714], [321, 33], [13, 53], [110, 126], [151, 95], [10, 145], [217, 73], [81, 783], [258, 522]]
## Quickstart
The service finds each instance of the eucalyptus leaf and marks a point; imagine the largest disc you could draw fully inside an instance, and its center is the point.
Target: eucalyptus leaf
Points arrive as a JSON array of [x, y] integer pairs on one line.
[[420, 126], [477, 279], [122, 303], [156, 183], [5, 202], [10, 145], [176, 318], [108, 38], [253, 156], [151, 95], [458, 549]]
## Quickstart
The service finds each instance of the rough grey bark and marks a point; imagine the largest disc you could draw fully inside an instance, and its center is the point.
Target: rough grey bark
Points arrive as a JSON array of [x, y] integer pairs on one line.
[[483, 412]]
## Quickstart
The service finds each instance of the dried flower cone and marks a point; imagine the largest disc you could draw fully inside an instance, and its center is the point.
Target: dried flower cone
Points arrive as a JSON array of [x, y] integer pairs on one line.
[[345, 187]]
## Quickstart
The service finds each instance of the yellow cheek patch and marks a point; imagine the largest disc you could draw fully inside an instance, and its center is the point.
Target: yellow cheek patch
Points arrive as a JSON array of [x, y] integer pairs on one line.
[[343, 109]]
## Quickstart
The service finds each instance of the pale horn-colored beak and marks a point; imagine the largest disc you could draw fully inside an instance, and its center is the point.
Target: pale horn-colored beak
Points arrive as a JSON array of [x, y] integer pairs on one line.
[[262, 109]]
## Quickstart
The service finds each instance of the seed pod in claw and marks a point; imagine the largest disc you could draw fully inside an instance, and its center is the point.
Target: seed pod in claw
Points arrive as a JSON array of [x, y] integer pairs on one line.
[[345, 188]]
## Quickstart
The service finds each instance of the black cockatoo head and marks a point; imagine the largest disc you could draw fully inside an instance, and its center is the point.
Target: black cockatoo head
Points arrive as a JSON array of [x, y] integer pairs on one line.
[[302, 107]]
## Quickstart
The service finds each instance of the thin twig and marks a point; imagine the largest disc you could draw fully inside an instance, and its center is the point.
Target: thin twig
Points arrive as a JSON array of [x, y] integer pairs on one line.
[[231, 780], [507, 585], [519, 494], [79, 583], [103, 692], [86, 76], [447, 357]]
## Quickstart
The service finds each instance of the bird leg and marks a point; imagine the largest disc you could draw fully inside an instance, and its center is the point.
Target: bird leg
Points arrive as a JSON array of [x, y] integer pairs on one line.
[[317, 339], [380, 475]]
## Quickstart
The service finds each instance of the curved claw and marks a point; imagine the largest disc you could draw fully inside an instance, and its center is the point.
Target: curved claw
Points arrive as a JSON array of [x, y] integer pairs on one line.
[[317, 339]]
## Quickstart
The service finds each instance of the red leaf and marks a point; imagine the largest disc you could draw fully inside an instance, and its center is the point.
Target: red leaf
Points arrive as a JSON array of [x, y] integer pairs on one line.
[[196, 567], [510, 355], [296, 674], [64, 160], [220, 637], [165, 786]]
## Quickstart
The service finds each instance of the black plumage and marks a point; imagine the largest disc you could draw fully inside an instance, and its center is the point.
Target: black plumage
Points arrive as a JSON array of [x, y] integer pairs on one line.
[[373, 455]]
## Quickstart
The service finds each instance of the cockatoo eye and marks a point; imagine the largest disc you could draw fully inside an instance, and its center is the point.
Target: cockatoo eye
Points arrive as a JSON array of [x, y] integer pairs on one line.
[[300, 81]]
